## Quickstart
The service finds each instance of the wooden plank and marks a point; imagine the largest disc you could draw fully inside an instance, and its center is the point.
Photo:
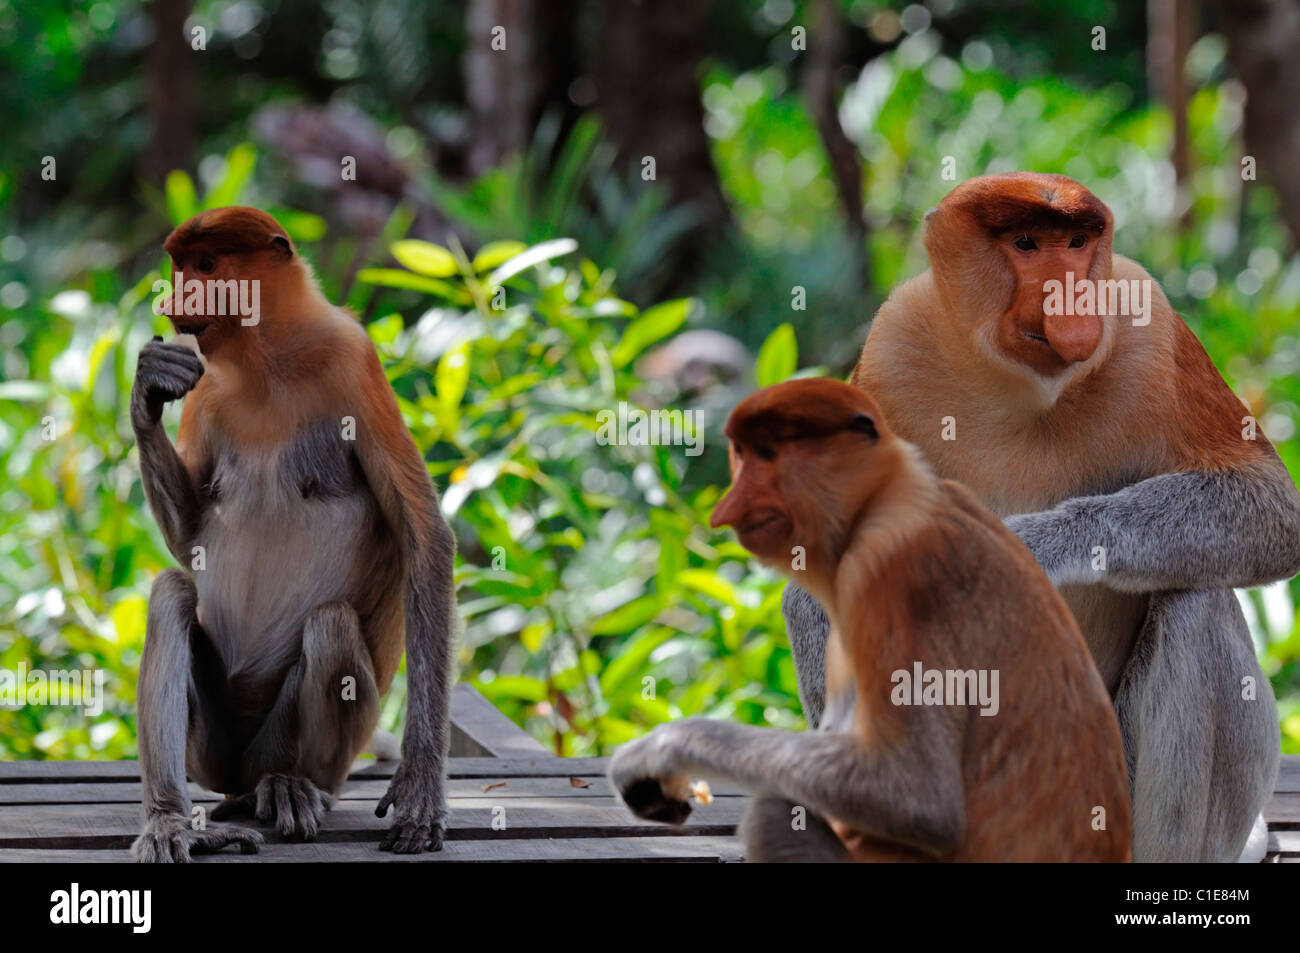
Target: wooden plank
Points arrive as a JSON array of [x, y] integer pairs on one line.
[[1288, 775], [71, 772], [116, 825], [1284, 842], [66, 772], [644, 849], [105, 792], [479, 730], [1282, 809]]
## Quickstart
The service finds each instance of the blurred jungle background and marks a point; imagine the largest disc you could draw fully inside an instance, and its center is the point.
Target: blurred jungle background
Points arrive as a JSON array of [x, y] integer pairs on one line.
[[543, 208]]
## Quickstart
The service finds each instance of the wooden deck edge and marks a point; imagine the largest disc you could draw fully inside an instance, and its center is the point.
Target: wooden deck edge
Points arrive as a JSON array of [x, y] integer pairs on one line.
[[479, 730]]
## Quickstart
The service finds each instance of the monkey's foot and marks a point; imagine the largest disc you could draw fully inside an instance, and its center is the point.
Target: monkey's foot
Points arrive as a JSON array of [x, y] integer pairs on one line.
[[168, 839], [649, 798], [295, 804], [421, 818]]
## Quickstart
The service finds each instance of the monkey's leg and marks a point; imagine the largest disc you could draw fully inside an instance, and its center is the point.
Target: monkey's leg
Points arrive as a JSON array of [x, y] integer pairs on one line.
[[176, 707], [323, 716], [773, 831], [807, 628], [1201, 741]]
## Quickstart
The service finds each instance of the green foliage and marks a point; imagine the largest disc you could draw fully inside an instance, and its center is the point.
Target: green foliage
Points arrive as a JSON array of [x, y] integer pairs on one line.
[[595, 600]]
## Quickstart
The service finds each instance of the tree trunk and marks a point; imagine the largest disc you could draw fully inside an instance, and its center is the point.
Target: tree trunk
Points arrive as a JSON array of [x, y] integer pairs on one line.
[[1262, 45], [508, 89], [1170, 27], [170, 84], [649, 95], [825, 56]]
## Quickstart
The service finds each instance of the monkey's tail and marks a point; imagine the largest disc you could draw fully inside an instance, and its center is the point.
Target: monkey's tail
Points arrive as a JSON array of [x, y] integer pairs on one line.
[[385, 747], [1256, 844]]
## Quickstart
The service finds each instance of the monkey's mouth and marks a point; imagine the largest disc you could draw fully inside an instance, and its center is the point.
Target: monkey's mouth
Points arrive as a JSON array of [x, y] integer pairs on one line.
[[763, 533], [759, 522], [188, 327]]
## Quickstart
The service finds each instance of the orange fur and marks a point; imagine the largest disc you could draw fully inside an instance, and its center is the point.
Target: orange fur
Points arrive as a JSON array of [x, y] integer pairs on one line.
[[910, 568]]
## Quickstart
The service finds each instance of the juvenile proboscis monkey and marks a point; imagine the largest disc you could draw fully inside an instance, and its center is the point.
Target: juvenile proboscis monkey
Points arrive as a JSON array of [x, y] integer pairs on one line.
[[313, 549], [915, 576], [1142, 486]]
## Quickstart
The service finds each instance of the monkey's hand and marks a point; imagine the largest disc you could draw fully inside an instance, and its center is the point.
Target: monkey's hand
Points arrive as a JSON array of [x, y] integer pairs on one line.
[[421, 819], [168, 838], [163, 372], [647, 779]]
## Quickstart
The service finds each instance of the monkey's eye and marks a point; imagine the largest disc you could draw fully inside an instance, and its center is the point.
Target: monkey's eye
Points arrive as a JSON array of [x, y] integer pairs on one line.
[[1025, 243], [766, 453], [206, 264], [1078, 241]]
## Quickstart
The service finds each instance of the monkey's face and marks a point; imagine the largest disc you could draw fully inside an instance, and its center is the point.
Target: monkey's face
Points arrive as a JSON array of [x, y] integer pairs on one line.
[[803, 459], [1039, 327], [1011, 255], [222, 262]]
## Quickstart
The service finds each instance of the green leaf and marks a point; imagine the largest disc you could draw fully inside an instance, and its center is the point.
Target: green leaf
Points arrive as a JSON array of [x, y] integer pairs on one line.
[[301, 226], [396, 278], [532, 256], [495, 253], [424, 258], [706, 582], [778, 358], [239, 169], [513, 686], [386, 329], [182, 202], [653, 325], [452, 376]]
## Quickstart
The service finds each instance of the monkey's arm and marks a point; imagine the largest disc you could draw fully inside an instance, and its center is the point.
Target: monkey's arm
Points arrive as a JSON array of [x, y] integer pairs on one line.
[[1187, 530], [910, 793], [165, 372], [396, 473]]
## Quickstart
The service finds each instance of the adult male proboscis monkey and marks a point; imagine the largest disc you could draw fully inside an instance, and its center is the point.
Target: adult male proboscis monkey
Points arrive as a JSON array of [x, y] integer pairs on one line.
[[1054, 380], [964, 719], [313, 549]]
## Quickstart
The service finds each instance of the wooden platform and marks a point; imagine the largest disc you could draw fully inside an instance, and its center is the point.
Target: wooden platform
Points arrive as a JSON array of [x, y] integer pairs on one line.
[[552, 809]]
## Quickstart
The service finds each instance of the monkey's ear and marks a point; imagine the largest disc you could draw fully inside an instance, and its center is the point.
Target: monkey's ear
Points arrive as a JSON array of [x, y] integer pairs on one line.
[[282, 245], [865, 425]]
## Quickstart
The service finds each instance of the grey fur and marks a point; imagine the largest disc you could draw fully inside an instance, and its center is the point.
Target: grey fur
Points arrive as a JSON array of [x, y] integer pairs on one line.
[[915, 800]]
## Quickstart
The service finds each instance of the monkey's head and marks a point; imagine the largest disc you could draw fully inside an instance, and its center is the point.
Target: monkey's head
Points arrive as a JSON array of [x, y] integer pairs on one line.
[[806, 458], [215, 248], [996, 242]]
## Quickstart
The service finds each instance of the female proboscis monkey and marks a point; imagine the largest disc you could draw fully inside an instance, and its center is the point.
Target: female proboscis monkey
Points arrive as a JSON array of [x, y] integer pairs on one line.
[[917, 579], [313, 552]]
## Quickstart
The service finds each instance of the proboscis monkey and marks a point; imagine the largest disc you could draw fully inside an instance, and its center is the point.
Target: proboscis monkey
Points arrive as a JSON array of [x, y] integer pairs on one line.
[[312, 549], [916, 576], [1140, 483]]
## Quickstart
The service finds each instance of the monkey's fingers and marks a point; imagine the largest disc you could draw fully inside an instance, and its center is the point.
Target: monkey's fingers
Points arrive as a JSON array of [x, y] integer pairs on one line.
[[646, 798], [412, 837], [217, 838], [385, 802]]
